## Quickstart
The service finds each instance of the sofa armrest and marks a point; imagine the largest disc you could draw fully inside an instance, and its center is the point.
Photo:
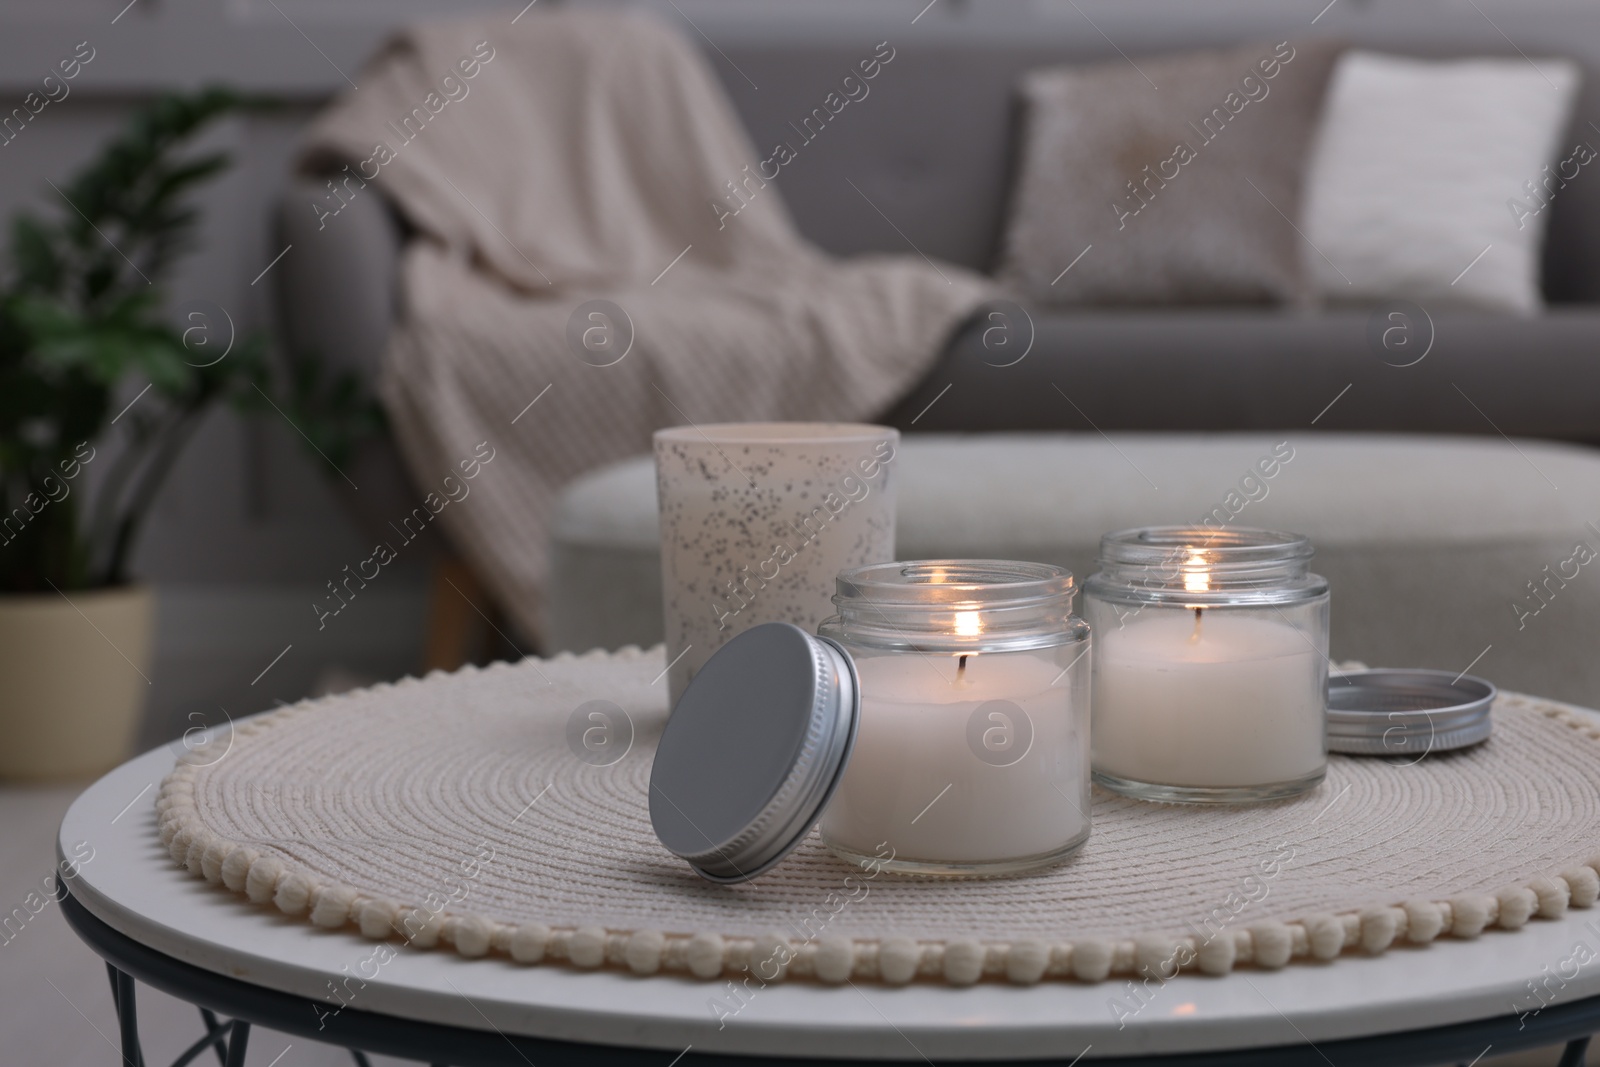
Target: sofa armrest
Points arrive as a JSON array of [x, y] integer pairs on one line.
[[337, 291], [337, 296]]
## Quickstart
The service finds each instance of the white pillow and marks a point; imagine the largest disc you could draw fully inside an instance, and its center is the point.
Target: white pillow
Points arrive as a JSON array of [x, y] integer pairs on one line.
[[1421, 165]]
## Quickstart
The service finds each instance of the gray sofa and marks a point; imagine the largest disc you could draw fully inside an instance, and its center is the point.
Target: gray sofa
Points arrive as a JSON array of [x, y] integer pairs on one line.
[[933, 147]]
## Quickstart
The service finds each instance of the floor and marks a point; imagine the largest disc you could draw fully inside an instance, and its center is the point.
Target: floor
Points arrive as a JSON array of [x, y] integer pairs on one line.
[[55, 1004]]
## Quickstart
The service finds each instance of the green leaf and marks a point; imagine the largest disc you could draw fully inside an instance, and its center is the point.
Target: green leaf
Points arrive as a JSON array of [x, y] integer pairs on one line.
[[162, 360], [175, 180], [38, 264]]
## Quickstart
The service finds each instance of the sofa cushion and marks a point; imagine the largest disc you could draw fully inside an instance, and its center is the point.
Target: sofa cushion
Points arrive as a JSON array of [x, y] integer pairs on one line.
[[1441, 552], [1429, 180], [1188, 194]]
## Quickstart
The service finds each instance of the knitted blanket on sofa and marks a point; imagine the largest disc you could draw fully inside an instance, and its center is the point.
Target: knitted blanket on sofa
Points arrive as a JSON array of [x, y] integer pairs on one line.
[[599, 251]]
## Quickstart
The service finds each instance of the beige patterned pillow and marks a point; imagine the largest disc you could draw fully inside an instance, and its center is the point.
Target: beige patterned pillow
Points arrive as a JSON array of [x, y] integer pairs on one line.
[[1171, 179]]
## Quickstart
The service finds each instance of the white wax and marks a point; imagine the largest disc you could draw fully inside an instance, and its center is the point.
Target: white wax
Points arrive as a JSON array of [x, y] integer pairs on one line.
[[1241, 704], [915, 782]]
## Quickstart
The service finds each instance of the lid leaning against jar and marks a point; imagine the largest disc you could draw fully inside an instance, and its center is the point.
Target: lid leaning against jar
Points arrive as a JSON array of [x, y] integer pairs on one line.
[[753, 751]]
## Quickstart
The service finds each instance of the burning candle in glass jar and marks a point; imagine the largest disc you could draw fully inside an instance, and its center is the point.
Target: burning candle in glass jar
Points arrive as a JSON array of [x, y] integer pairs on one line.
[[971, 752], [1222, 698]]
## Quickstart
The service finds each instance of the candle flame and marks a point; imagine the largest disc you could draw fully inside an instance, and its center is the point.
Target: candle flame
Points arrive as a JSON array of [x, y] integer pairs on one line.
[[1197, 576], [968, 624]]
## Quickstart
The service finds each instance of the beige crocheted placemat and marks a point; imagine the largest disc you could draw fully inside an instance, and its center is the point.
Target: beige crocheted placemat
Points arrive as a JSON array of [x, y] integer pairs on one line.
[[455, 811]]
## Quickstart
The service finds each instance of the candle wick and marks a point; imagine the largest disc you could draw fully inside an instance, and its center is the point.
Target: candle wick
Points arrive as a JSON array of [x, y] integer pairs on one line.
[[1198, 614], [961, 667]]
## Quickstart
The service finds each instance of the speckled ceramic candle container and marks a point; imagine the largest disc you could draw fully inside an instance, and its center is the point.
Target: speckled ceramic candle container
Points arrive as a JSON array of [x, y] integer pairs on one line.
[[757, 519]]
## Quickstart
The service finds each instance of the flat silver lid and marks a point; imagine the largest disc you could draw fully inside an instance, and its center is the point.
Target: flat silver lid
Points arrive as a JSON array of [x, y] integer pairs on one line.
[[1406, 712], [753, 751]]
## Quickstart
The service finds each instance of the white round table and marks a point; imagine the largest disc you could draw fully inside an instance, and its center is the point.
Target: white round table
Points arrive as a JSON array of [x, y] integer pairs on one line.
[[1474, 990]]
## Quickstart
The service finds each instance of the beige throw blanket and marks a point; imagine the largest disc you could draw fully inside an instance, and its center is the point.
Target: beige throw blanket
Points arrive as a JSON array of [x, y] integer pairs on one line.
[[574, 157]]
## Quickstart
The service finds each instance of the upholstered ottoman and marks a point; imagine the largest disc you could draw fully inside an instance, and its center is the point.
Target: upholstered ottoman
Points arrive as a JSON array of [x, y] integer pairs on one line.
[[1446, 552]]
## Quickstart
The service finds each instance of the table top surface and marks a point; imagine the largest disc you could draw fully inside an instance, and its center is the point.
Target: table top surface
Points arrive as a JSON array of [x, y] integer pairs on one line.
[[131, 884]]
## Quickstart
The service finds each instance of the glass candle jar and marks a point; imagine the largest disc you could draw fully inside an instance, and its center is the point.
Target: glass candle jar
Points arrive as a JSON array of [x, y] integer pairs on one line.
[[1211, 667], [757, 519], [972, 750]]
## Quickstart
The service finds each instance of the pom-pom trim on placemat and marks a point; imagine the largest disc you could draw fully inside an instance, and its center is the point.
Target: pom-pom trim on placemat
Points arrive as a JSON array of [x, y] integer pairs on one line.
[[267, 880]]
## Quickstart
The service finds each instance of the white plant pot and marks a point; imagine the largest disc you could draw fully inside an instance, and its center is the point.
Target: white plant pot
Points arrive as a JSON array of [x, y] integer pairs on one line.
[[73, 680]]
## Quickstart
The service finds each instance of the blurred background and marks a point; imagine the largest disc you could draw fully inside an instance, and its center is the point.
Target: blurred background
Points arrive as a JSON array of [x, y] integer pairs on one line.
[[248, 529]]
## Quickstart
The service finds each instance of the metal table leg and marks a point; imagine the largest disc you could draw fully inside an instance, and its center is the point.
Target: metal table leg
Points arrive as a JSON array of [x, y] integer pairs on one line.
[[213, 1038], [122, 997], [238, 1041], [229, 1039], [210, 1019]]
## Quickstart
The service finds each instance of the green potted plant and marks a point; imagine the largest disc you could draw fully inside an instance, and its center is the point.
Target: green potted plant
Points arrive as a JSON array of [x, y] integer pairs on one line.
[[83, 452]]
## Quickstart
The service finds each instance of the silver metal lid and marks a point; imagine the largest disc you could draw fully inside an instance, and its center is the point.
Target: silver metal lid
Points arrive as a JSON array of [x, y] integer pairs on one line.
[[1406, 713], [753, 751]]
